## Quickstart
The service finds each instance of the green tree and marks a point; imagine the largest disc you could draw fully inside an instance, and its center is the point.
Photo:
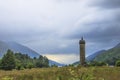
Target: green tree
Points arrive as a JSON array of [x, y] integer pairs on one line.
[[8, 61], [30, 65], [19, 65], [39, 62], [54, 65], [22, 60], [118, 63], [46, 62], [42, 62]]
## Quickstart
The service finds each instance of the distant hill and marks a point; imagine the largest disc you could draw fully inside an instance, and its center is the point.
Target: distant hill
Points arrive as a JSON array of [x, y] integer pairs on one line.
[[76, 63], [109, 56], [117, 46], [92, 57], [16, 47], [51, 62], [3, 48]]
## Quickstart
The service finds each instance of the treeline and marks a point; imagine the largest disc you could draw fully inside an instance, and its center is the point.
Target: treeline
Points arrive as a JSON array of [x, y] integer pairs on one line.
[[20, 61], [100, 63]]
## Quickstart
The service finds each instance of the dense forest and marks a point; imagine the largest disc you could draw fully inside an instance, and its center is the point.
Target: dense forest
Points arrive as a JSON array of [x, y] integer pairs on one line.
[[20, 61]]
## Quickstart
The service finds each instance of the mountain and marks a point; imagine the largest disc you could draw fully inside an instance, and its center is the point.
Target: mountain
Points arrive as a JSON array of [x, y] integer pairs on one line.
[[3, 48], [16, 47], [76, 63], [51, 62], [110, 56], [91, 57], [117, 46]]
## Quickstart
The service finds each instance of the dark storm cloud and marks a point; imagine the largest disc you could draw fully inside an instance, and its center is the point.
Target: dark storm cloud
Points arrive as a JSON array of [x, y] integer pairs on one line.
[[107, 3], [98, 35], [106, 30], [11, 32], [107, 35]]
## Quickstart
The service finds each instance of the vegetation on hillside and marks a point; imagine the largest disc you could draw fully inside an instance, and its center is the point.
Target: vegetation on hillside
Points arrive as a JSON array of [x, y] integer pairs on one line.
[[110, 56]]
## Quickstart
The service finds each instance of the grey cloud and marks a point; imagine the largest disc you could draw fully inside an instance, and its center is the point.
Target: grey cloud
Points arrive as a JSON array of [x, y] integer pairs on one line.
[[110, 33], [67, 0], [106, 3], [11, 33], [105, 30]]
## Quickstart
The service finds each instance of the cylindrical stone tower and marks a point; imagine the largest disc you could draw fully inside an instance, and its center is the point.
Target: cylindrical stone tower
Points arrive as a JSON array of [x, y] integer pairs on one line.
[[82, 51]]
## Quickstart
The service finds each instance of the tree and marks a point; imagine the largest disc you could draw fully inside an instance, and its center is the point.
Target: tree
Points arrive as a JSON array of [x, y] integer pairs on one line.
[[22, 60], [46, 62], [19, 65], [54, 65], [30, 65], [42, 62], [118, 63], [39, 62], [8, 61]]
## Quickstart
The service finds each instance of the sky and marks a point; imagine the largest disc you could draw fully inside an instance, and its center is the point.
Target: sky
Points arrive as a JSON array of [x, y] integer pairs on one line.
[[53, 28]]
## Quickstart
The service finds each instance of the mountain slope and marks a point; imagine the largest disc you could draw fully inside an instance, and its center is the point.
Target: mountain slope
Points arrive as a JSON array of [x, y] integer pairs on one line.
[[3, 48], [51, 62], [16, 47], [91, 57], [22, 49], [110, 56]]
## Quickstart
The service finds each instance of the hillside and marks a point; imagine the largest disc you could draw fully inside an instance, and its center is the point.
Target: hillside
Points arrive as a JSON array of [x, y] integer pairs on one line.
[[16, 47], [51, 62], [3, 48], [109, 56], [91, 57]]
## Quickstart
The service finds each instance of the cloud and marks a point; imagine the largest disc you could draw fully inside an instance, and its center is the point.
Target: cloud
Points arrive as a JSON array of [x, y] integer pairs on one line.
[[98, 26], [108, 4]]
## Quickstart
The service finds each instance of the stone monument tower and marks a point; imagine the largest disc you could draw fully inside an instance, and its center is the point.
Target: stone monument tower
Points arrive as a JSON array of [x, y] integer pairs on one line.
[[82, 51]]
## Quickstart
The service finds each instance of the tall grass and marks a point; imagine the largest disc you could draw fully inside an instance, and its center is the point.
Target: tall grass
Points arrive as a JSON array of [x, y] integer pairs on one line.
[[64, 73]]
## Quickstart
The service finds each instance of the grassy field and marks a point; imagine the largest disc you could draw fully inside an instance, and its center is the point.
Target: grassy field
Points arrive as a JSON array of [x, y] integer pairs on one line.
[[64, 73]]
